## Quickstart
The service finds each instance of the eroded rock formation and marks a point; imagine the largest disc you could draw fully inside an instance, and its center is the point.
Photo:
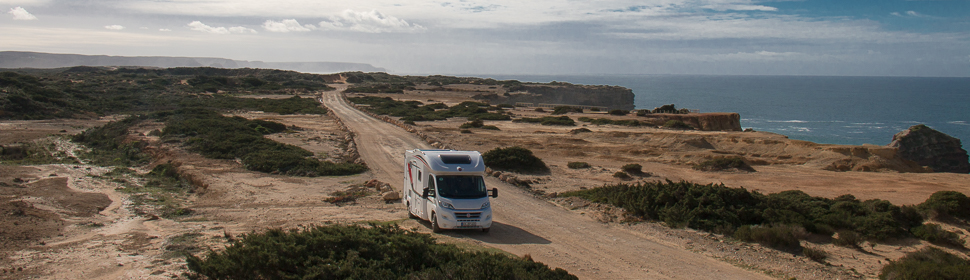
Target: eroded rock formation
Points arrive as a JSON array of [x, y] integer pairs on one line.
[[932, 148]]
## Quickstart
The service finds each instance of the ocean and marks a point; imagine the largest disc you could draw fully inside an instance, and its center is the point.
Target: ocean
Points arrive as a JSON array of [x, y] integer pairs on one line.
[[832, 110]]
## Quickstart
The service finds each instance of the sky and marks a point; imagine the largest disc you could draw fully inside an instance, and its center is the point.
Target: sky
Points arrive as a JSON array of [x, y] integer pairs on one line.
[[551, 37]]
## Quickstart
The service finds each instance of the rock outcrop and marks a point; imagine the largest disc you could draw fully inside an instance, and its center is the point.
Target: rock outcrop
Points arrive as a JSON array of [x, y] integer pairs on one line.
[[932, 148], [704, 121]]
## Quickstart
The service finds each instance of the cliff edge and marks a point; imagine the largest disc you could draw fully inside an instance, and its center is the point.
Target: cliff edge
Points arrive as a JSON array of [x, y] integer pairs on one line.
[[928, 147]]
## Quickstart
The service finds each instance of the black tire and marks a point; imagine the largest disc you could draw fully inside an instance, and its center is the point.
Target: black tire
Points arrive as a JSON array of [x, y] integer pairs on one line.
[[485, 230], [434, 223], [411, 215]]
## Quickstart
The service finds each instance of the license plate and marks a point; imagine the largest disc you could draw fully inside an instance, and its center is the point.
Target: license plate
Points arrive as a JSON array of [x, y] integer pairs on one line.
[[469, 224]]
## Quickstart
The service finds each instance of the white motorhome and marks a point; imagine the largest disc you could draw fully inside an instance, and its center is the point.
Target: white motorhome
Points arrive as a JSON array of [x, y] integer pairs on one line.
[[447, 188]]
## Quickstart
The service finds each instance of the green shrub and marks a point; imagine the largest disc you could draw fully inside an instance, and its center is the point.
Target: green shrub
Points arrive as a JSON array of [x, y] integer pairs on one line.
[[816, 254], [577, 165], [540, 110], [516, 159], [354, 252], [724, 163], [618, 112], [473, 124], [948, 204], [632, 168], [505, 105], [621, 175], [641, 113], [465, 131], [677, 124], [848, 238], [559, 110], [927, 263], [490, 127], [937, 235], [782, 237], [563, 120], [717, 208], [215, 136]]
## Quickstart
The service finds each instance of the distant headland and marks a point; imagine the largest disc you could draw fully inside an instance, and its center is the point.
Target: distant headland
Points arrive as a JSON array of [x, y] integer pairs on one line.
[[16, 59]]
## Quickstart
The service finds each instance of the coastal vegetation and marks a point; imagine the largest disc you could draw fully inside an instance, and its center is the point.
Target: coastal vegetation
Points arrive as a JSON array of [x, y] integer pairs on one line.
[[561, 120], [515, 159], [927, 263], [86, 92], [776, 220], [677, 124], [605, 121], [724, 163], [357, 252], [417, 111], [577, 165]]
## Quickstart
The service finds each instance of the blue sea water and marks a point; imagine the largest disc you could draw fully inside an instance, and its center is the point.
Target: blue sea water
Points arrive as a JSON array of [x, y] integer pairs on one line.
[[833, 110]]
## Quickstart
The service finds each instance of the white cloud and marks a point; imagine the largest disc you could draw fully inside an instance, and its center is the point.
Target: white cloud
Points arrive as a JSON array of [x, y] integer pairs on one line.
[[21, 14], [164, 29], [24, 2], [912, 13], [287, 25], [368, 22], [114, 27], [739, 7], [201, 27]]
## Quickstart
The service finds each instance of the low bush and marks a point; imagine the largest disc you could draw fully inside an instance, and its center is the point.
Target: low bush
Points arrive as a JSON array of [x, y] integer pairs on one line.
[[641, 113], [490, 127], [540, 110], [559, 110], [605, 121], [465, 131], [848, 238], [947, 204], [355, 252], [621, 175], [782, 237], [717, 208], [724, 163], [816, 254], [215, 136], [677, 124], [580, 130], [632, 168], [563, 121], [618, 112], [937, 235], [577, 165], [516, 159], [927, 263], [473, 124]]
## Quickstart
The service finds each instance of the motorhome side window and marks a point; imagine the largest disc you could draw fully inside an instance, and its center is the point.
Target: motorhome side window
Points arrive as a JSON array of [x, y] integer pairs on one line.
[[419, 175]]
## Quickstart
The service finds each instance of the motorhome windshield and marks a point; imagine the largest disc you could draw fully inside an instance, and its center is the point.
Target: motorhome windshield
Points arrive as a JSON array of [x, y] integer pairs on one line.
[[461, 186]]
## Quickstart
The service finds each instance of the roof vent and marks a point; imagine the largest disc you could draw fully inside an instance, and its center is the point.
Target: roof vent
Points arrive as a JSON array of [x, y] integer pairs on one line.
[[456, 159]]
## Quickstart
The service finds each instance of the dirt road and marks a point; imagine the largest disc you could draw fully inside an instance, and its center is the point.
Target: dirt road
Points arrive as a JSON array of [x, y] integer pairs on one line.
[[526, 225]]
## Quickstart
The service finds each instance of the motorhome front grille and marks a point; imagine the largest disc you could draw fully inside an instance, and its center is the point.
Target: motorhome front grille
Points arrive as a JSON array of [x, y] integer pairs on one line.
[[468, 216]]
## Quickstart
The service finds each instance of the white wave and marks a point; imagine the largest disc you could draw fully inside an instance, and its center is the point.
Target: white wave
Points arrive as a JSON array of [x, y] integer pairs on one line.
[[959, 122], [789, 121], [866, 123]]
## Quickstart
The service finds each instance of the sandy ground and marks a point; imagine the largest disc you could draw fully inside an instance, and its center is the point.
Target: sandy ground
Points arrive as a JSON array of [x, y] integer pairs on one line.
[[65, 221]]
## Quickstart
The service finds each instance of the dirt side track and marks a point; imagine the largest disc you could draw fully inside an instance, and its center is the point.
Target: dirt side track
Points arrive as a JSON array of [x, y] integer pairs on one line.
[[526, 225]]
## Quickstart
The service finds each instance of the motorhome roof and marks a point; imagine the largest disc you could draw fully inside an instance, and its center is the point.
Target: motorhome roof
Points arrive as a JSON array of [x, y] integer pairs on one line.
[[452, 160]]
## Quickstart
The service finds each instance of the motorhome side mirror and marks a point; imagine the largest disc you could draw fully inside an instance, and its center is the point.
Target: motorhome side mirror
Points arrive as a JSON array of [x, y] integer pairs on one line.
[[427, 193], [494, 192]]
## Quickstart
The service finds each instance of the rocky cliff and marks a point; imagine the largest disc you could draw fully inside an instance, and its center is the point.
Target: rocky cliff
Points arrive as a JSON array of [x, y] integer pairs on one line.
[[932, 148], [11, 59], [704, 121], [612, 97]]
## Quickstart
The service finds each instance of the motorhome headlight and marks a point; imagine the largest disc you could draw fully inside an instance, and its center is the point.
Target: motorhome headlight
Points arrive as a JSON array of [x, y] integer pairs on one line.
[[446, 205], [486, 205]]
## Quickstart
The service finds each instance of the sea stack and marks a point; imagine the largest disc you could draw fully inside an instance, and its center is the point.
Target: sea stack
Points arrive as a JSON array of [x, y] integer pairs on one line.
[[932, 148]]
